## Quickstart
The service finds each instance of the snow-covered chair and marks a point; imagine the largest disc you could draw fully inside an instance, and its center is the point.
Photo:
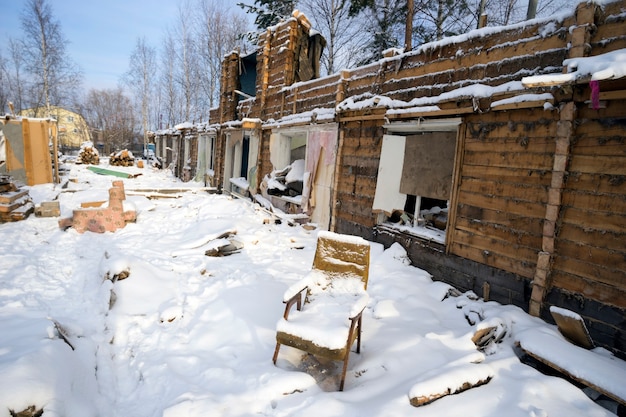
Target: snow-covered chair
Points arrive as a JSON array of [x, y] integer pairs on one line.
[[330, 301]]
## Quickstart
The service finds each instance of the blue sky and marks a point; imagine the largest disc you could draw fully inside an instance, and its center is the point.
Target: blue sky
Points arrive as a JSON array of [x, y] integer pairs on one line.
[[102, 33]]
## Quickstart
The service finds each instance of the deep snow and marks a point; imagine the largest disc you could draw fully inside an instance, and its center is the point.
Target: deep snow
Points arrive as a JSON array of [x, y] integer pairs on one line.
[[193, 335]]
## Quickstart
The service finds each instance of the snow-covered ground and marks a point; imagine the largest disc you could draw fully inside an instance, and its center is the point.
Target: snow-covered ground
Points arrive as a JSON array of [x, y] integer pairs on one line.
[[191, 335]]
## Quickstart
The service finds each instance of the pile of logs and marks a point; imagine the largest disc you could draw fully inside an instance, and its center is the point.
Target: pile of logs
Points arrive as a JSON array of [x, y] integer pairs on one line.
[[123, 158], [88, 155]]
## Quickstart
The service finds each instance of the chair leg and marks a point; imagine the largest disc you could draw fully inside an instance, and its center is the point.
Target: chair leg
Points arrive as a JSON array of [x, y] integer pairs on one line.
[[343, 373], [358, 336], [276, 352]]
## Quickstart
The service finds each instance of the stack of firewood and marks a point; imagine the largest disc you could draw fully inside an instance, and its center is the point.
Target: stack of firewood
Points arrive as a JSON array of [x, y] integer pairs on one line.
[[123, 158], [88, 155]]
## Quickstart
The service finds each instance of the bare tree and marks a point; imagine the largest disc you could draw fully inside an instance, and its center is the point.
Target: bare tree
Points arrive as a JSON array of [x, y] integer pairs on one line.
[[218, 32], [167, 82], [109, 114], [343, 33], [186, 60], [140, 80], [56, 77]]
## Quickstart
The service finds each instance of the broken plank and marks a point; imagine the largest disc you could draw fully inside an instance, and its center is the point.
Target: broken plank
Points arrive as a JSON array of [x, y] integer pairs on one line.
[[605, 374], [572, 326], [11, 196], [449, 382]]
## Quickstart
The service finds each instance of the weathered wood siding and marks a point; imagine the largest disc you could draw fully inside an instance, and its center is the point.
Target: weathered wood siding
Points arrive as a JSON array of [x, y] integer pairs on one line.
[[360, 143], [591, 241], [506, 168]]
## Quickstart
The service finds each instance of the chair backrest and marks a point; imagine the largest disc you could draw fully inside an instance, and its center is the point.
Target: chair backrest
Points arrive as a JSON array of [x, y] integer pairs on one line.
[[342, 256]]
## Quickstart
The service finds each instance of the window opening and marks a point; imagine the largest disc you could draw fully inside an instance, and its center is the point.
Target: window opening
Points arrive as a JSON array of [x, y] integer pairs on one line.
[[415, 197]]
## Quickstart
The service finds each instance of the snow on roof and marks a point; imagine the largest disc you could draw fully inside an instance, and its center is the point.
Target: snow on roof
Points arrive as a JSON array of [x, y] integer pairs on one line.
[[312, 116], [429, 103], [611, 65], [184, 125]]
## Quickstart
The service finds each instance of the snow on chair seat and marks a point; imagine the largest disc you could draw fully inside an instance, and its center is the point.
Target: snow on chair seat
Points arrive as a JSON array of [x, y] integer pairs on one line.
[[597, 368], [328, 321]]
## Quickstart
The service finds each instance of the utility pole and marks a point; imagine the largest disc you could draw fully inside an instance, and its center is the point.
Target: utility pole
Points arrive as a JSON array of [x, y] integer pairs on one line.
[[408, 32], [532, 9]]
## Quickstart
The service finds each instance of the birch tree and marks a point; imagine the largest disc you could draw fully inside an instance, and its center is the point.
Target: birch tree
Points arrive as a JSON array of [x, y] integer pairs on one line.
[[56, 77], [140, 80]]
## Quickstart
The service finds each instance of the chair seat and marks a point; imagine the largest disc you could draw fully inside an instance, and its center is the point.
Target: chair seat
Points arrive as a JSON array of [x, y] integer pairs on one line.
[[323, 324]]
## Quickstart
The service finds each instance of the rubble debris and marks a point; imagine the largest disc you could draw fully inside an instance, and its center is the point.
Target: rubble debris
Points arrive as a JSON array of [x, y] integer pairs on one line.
[[88, 155], [488, 334], [48, 209], [123, 158], [64, 334], [15, 203], [287, 181], [30, 411], [102, 219], [231, 246]]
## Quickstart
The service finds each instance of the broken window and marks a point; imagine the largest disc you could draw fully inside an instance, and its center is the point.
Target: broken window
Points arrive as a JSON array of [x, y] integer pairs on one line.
[[206, 158], [414, 196], [240, 161], [303, 163]]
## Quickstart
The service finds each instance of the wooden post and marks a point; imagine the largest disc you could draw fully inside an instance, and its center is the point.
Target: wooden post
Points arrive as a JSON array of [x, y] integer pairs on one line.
[[541, 280], [579, 40], [55, 150]]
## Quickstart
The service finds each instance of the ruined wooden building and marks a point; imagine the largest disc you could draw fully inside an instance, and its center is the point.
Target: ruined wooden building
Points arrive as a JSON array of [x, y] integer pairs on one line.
[[497, 158]]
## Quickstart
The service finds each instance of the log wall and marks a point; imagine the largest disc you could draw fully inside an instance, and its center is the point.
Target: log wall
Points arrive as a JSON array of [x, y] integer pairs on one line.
[[503, 188], [538, 209]]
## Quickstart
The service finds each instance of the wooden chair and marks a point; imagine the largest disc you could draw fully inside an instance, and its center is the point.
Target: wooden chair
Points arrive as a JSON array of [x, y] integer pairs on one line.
[[329, 301]]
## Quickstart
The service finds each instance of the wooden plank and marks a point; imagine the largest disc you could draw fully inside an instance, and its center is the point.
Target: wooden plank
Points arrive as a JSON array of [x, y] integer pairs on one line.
[[521, 105], [592, 129], [522, 192], [593, 220], [604, 145], [596, 183], [597, 238], [540, 178], [507, 248], [436, 113], [585, 252], [612, 165], [523, 208], [591, 289], [515, 223], [513, 265], [608, 203], [572, 375], [10, 196], [518, 237], [455, 379], [526, 160], [534, 142], [572, 326], [605, 274]]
